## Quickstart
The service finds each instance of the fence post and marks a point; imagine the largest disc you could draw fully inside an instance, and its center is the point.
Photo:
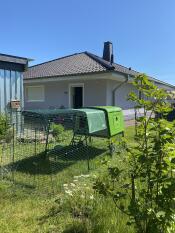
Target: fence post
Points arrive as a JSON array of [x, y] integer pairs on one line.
[[13, 153], [35, 142], [47, 139], [135, 121], [1, 163], [87, 151]]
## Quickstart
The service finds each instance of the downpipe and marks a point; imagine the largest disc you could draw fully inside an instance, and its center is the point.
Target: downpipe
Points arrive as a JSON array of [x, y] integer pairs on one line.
[[116, 88]]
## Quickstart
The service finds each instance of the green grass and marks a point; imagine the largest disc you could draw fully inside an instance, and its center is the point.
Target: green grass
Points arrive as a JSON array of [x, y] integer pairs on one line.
[[24, 208]]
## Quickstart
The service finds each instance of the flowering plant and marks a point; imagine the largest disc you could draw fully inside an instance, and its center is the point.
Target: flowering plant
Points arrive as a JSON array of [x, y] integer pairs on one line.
[[78, 197]]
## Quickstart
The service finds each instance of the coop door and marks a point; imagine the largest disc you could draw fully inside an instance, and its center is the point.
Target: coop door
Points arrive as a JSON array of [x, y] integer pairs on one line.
[[116, 123]]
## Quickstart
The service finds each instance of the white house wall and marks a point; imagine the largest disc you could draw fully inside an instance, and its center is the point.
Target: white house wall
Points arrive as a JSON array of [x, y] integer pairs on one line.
[[97, 91], [121, 94], [57, 93]]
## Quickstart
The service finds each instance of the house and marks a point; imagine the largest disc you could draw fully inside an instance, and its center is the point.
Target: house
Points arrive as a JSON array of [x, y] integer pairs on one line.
[[81, 79], [11, 84]]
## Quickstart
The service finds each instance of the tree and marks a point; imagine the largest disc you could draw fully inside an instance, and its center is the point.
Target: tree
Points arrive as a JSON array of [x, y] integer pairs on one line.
[[145, 189]]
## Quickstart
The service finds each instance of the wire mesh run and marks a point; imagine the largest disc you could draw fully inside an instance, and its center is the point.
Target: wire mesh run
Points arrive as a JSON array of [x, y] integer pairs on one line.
[[47, 151]]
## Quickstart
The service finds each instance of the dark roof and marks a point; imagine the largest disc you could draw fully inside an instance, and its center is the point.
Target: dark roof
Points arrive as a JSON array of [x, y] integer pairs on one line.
[[113, 66], [13, 59], [79, 63], [76, 64]]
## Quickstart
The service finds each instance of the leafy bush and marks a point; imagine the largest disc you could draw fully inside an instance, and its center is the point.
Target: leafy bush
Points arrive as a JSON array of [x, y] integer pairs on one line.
[[145, 189], [4, 127], [9, 135], [57, 130]]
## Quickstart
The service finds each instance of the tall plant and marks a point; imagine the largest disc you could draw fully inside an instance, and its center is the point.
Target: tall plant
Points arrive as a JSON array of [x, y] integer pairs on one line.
[[4, 126], [145, 189]]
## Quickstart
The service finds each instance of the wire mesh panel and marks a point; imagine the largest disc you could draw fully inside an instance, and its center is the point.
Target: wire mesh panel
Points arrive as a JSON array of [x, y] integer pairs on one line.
[[17, 148], [47, 151], [6, 148]]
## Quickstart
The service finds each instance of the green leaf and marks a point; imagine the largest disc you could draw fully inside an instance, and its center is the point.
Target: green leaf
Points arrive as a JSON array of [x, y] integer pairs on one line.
[[160, 214]]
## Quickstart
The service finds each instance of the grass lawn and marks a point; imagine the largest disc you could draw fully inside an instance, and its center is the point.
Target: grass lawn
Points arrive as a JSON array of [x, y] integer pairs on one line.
[[24, 209]]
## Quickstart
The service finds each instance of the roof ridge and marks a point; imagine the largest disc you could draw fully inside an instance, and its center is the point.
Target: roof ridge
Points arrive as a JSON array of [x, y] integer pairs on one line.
[[91, 55], [56, 59], [112, 63], [100, 60], [126, 67], [103, 66]]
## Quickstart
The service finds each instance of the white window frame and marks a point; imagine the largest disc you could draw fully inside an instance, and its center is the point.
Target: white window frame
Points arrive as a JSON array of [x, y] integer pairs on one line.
[[70, 95], [33, 100]]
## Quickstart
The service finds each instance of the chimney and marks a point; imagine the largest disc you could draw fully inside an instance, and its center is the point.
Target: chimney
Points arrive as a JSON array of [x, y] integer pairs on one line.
[[108, 52]]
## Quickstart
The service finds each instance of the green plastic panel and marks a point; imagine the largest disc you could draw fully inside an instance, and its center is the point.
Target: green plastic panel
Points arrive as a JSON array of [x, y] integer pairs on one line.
[[102, 121], [114, 118], [90, 120], [86, 121]]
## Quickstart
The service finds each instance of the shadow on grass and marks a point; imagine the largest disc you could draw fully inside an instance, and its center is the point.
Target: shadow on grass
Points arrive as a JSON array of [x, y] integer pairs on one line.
[[57, 160], [19, 184]]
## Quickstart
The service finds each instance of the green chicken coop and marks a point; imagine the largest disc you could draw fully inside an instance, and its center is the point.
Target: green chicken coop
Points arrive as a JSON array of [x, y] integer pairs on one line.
[[85, 123], [98, 121], [104, 122]]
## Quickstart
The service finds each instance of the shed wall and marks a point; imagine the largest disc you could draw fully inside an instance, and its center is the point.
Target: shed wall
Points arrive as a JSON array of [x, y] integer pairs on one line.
[[11, 88]]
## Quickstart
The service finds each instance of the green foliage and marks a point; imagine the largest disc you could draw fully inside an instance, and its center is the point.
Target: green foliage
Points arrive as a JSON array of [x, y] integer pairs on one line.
[[5, 131], [76, 227], [3, 125], [9, 135], [87, 211], [57, 130], [145, 190], [38, 209], [78, 197]]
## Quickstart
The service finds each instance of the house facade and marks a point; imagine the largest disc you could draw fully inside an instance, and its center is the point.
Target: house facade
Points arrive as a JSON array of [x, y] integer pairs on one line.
[[81, 80]]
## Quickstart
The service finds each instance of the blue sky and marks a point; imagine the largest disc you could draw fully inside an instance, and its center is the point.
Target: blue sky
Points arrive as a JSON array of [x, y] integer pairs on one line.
[[142, 31]]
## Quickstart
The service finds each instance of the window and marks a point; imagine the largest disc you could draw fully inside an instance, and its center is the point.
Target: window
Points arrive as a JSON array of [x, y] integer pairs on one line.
[[35, 93]]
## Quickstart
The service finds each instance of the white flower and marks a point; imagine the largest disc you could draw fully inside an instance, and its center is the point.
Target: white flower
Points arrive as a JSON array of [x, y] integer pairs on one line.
[[82, 196], [75, 180], [72, 184], [91, 197], [86, 176], [69, 192], [65, 185]]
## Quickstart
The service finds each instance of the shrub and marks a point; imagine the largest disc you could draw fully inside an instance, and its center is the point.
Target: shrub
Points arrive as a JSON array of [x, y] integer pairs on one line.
[[4, 126], [9, 135], [57, 130], [145, 189]]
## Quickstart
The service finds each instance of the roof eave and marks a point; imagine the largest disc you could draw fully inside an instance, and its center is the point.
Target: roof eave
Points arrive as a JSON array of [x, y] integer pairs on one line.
[[68, 75], [14, 59]]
